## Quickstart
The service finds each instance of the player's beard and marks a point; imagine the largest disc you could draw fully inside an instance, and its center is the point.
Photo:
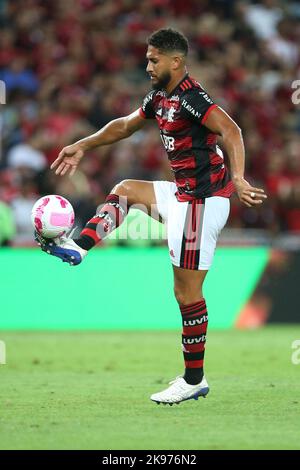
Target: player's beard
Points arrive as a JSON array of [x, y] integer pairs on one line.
[[162, 81]]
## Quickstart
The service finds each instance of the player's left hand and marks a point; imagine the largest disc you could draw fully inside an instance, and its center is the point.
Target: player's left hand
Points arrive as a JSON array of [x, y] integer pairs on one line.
[[249, 195]]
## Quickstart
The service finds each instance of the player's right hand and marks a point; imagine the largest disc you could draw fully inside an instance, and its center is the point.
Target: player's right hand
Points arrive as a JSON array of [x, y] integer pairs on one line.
[[248, 194], [68, 160]]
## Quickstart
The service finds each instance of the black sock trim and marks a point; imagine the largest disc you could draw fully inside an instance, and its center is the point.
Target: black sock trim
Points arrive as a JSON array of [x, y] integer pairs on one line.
[[193, 376], [86, 243]]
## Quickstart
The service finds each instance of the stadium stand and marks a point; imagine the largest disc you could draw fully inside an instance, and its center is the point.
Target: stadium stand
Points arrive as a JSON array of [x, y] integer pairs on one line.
[[71, 66]]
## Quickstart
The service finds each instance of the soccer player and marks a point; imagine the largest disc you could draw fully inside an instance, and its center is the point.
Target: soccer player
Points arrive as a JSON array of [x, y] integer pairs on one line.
[[195, 206]]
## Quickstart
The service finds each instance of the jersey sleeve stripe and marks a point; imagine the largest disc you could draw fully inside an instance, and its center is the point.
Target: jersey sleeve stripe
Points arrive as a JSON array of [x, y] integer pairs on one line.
[[186, 83], [213, 106]]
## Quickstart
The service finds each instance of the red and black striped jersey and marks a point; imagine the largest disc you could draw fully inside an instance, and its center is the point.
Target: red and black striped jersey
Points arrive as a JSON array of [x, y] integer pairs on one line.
[[195, 158]]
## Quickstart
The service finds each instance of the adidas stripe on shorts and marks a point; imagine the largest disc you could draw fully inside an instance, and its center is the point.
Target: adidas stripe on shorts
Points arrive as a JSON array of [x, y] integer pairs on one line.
[[193, 227]]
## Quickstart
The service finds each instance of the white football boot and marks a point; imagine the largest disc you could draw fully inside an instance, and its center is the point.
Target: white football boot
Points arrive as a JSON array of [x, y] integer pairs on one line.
[[63, 247], [180, 391]]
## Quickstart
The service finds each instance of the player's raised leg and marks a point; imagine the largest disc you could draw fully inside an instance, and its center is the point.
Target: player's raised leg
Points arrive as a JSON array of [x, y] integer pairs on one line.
[[108, 218], [114, 210]]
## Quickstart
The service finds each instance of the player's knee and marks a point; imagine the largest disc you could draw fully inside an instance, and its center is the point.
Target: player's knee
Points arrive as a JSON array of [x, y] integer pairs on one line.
[[179, 296], [185, 295], [124, 188]]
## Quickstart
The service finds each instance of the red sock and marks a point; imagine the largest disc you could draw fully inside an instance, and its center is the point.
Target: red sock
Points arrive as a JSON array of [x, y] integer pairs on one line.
[[111, 215], [194, 321]]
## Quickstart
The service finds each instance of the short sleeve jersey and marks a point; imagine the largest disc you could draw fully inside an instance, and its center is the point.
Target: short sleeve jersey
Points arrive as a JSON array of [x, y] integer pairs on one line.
[[196, 160]]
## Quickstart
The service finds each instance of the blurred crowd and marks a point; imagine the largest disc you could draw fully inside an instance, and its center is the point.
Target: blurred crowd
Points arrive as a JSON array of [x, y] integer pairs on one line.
[[70, 66]]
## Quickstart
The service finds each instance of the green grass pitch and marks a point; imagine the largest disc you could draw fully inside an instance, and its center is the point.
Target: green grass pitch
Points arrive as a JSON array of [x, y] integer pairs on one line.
[[91, 390]]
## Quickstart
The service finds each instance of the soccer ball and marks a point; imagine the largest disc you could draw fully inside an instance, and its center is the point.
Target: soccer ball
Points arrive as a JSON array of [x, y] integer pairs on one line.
[[52, 216]]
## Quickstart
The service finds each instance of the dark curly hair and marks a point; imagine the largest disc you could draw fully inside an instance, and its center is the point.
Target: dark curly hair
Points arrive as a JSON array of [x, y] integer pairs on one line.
[[169, 40]]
